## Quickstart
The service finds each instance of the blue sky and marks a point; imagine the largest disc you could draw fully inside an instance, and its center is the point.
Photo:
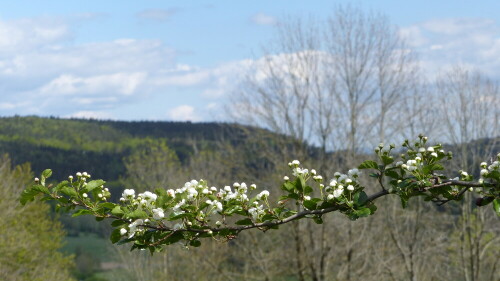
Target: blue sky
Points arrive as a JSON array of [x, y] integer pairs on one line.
[[181, 60]]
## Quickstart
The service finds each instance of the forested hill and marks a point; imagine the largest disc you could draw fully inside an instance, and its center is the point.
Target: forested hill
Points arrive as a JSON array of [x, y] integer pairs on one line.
[[99, 147], [70, 145]]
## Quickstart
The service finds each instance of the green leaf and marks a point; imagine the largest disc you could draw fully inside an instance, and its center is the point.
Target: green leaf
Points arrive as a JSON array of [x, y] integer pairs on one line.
[[45, 175], [174, 238], [137, 214], [268, 217], [437, 167], [310, 204], [116, 223], [288, 186], [392, 174], [115, 236], [360, 198], [372, 208], [40, 188], [308, 190], [195, 243], [27, 195], [60, 185], [493, 175], [387, 159], [124, 241], [82, 212], [318, 220], [363, 212], [246, 221], [484, 201], [69, 191], [233, 209], [91, 185], [107, 205], [368, 164], [300, 183], [117, 211], [496, 206]]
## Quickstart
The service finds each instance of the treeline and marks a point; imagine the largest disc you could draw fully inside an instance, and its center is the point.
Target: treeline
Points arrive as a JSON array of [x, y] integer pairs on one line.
[[99, 147]]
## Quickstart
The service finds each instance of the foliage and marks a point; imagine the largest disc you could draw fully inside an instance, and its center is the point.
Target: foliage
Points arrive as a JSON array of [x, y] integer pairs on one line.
[[153, 219], [100, 147], [28, 234]]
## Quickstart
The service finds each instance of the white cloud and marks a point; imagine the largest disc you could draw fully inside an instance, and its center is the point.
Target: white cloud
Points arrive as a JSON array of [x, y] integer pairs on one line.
[[120, 83], [26, 34], [263, 19], [183, 113], [467, 41], [90, 115]]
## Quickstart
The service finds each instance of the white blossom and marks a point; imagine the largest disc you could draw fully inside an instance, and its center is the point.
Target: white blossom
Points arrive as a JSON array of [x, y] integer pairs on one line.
[[263, 194], [128, 193], [337, 192], [133, 227], [123, 231], [354, 172], [158, 213], [218, 205]]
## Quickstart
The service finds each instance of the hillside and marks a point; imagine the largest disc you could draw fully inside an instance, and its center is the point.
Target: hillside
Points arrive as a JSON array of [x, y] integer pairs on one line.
[[69, 145]]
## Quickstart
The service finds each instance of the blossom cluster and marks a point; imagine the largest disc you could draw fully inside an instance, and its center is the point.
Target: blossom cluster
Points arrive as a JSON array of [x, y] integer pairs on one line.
[[419, 155], [342, 182], [487, 170], [195, 203], [81, 181]]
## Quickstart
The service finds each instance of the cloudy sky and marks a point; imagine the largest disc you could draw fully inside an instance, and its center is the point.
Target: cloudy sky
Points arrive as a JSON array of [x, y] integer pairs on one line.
[[180, 60]]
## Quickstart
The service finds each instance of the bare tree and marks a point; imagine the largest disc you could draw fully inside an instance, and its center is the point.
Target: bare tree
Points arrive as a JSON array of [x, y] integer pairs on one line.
[[472, 113], [334, 84]]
